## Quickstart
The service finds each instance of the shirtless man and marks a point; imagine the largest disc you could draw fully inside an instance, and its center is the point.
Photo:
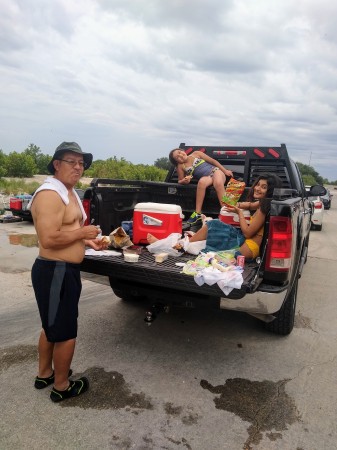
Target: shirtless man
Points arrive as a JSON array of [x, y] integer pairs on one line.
[[58, 219]]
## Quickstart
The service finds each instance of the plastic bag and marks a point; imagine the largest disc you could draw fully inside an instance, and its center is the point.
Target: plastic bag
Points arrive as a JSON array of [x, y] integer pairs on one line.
[[119, 238], [234, 190], [166, 245], [194, 248], [227, 257]]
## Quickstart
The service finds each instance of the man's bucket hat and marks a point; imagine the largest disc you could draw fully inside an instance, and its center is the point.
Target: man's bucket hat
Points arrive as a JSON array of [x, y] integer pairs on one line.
[[69, 147]]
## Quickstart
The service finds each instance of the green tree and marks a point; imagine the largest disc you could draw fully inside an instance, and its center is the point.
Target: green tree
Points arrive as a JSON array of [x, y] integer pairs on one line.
[[32, 150], [41, 160], [124, 170], [162, 163], [20, 165], [309, 171], [3, 170], [309, 180]]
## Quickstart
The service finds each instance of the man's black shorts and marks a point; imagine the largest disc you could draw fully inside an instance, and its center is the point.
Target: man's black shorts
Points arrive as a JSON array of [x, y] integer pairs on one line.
[[57, 287]]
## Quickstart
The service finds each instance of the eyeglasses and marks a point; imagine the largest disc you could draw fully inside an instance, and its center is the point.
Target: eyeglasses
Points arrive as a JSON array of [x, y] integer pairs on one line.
[[73, 163]]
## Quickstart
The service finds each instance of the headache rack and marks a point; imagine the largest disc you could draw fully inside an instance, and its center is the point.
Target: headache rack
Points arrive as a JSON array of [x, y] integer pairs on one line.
[[247, 163]]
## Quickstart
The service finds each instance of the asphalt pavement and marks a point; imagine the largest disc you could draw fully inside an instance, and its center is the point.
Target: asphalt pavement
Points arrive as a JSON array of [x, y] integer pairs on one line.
[[192, 380]]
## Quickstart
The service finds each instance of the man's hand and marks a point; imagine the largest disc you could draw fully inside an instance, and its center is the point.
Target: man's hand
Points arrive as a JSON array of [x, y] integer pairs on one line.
[[91, 231], [97, 244]]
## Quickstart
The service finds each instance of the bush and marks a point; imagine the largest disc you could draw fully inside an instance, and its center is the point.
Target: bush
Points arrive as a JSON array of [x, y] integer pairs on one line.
[[20, 165], [16, 187]]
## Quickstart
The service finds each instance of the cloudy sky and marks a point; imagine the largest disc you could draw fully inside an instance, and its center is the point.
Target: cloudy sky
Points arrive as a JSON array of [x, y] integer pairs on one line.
[[135, 78]]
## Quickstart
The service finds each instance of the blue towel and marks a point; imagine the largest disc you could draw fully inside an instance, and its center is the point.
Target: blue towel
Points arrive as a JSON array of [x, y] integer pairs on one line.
[[222, 236]]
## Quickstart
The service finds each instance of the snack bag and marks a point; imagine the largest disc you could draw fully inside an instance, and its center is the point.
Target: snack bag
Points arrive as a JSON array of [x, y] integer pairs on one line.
[[119, 238], [234, 190]]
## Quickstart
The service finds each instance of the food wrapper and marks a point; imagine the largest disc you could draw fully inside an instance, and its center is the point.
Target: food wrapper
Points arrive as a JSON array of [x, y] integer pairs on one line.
[[234, 190], [119, 238], [106, 240]]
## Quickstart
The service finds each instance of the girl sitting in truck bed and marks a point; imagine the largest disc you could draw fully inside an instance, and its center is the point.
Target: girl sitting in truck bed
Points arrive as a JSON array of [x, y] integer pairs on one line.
[[248, 237], [203, 168]]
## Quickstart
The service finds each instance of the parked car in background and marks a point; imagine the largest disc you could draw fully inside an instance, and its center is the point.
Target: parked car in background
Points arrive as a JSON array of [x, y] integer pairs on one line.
[[318, 211], [326, 199], [317, 216]]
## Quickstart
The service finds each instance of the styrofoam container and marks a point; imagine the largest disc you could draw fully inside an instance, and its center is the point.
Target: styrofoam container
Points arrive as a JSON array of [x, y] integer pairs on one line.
[[159, 219], [131, 257], [160, 257], [232, 218]]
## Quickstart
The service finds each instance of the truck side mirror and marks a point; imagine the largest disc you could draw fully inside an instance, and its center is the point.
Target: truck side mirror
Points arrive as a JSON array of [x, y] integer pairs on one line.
[[317, 190]]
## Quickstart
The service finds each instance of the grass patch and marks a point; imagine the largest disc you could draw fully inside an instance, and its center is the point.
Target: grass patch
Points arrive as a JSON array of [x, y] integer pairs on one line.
[[16, 186]]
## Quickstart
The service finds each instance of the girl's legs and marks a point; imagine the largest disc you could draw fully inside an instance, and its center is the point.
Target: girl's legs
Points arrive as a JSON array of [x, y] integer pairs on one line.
[[219, 180], [202, 185], [151, 239]]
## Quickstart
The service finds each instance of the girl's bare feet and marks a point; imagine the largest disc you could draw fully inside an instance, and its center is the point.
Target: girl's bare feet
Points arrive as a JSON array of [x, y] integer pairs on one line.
[[150, 238]]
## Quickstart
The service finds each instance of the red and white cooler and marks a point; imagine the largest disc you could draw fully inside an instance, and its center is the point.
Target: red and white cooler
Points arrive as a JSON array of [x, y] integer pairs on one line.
[[159, 219], [232, 218]]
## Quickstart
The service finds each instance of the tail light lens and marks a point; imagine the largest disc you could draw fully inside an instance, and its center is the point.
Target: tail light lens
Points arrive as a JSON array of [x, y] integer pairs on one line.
[[318, 205], [279, 248], [86, 207]]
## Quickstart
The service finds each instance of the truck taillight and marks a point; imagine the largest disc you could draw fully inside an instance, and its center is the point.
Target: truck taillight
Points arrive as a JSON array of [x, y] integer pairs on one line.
[[279, 245], [86, 207]]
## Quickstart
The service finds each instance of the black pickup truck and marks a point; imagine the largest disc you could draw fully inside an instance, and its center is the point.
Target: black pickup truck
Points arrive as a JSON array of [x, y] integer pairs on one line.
[[269, 289]]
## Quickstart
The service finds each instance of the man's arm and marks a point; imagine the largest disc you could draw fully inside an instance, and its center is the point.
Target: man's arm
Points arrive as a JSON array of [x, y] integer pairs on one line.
[[48, 212]]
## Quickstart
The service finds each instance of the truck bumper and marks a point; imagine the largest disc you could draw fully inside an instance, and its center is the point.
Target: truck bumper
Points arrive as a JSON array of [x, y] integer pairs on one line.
[[256, 303]]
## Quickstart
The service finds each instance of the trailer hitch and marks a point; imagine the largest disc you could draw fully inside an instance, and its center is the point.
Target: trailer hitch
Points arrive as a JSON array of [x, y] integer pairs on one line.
[[152, 313]]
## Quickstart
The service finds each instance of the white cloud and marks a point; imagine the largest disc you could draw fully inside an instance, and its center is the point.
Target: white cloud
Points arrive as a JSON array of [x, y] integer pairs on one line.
[[136, 78]]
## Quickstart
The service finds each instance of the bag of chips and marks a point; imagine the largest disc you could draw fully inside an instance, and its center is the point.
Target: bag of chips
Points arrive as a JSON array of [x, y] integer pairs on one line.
[[234, 190], [119, 238]]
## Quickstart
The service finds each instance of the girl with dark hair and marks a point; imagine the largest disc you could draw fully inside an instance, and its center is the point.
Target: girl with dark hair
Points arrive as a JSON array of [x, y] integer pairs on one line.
[[203, 168], [248, 237]]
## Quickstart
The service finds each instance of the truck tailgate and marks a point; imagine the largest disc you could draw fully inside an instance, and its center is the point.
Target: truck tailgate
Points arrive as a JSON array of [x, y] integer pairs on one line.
[[166, 275]]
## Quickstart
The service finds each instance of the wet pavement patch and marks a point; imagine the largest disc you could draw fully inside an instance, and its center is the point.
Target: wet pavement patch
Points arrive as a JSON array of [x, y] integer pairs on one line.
[[302, 322], [264, 404], [172, 410], [108, 390], [26, 240], [17, 355]]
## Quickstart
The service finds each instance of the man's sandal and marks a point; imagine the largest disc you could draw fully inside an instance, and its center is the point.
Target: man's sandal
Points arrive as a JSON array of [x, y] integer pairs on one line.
[[41, 383], [76, 388]]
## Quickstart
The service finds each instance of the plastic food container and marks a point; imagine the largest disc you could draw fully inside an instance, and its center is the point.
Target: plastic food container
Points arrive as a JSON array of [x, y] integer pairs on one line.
[[131, 257], [160, 257], [135, 249]]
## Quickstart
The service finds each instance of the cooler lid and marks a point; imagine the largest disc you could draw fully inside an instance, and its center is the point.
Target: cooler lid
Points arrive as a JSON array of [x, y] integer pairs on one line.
[[167, 208]]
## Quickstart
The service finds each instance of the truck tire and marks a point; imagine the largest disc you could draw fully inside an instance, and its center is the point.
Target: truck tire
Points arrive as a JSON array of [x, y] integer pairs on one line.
[[283, 324]]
